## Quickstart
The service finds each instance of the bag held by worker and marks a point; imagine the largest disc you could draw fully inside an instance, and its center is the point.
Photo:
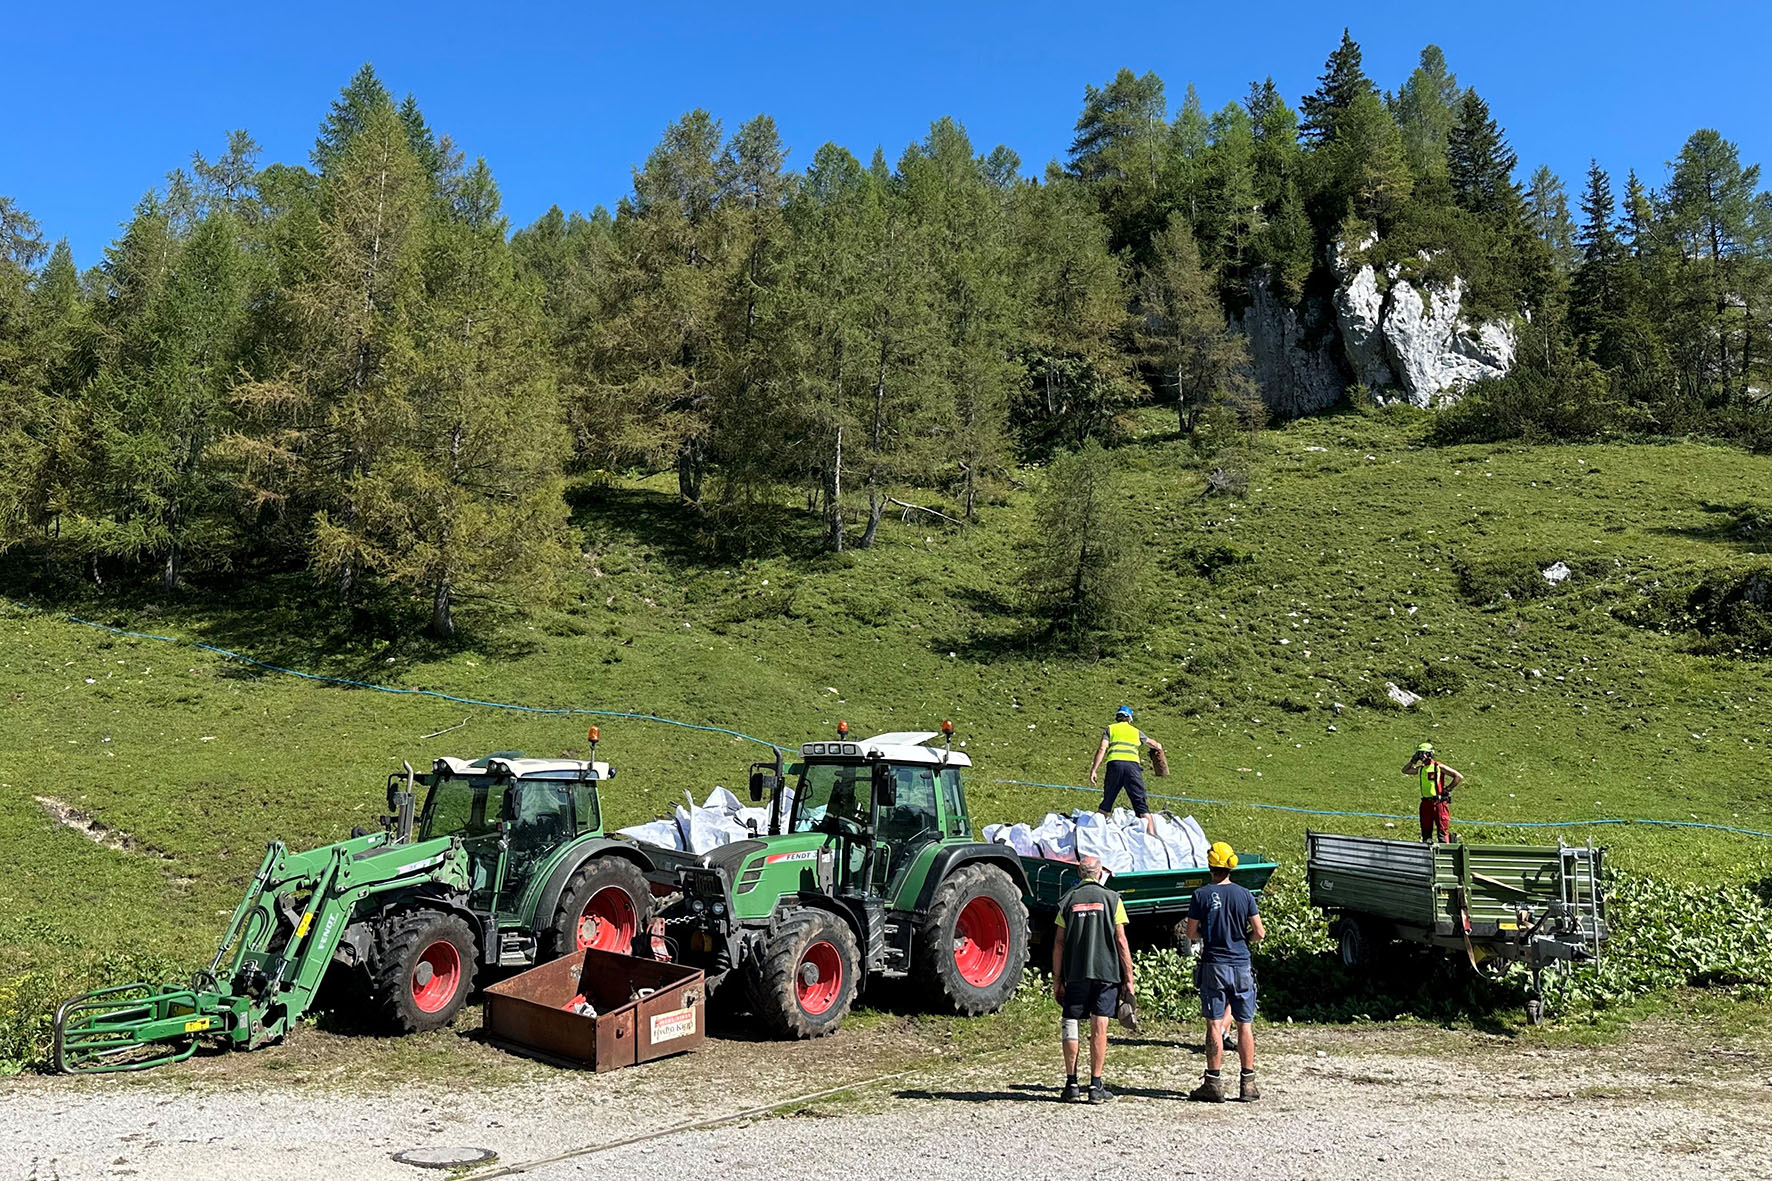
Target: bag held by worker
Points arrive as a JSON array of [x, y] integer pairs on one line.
[[1160, 763]]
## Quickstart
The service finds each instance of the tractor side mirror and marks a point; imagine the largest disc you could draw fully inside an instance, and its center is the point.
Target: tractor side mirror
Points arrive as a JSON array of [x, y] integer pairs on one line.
[[763, 786], [885, 786]]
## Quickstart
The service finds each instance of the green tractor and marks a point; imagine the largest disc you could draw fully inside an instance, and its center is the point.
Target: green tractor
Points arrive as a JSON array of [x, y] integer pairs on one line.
[[869, 869], [506, 864]]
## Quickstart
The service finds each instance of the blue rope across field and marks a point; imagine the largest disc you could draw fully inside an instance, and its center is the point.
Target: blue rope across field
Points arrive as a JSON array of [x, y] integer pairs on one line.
[[572, 711], [1750, 832], [554, 711]]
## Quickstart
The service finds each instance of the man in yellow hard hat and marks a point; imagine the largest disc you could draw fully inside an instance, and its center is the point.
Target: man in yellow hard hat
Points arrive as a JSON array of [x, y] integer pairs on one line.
[[1224, 919], [1119, 748], [1437, 782]]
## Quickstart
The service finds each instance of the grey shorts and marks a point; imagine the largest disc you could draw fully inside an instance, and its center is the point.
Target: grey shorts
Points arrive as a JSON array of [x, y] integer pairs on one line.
[[1229, 986]]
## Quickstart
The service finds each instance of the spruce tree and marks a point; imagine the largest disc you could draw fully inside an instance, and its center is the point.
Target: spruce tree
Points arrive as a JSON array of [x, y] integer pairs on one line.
[[1341, 84], [1479, 163]]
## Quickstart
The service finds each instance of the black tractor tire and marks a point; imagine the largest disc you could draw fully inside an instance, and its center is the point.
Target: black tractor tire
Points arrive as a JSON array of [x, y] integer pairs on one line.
[[423, 969], [598, 878], [1353, 944], [972, 945], [805, 976]]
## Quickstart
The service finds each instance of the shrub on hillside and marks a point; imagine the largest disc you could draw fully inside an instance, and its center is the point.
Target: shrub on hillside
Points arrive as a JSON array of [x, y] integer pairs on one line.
[[1532, 404], [1497, 580]]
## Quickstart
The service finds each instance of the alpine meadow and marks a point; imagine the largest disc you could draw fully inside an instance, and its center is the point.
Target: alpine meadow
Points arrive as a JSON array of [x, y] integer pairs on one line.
[[1314, 431]]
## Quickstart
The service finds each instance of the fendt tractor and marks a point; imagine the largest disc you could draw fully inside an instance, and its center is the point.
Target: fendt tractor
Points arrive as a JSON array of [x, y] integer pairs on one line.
[[869, 869], [506, 864]]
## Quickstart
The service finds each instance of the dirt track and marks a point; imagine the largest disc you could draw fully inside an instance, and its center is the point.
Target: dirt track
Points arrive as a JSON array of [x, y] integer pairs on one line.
[[1339, 1104]]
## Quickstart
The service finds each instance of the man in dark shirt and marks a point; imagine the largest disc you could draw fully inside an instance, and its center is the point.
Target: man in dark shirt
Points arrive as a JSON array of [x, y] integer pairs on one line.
[[1091, 967], [1223, 918]]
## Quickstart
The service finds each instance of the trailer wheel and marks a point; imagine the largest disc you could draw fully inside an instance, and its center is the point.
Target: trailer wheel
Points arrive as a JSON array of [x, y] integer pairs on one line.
[[423, 969], [1352, 943], [973, 944], [1534, 1012], [606, 905], [806, 975]]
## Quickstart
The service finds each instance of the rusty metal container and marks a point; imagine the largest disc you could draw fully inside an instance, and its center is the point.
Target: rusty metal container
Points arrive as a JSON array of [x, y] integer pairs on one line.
[[646, 1009]]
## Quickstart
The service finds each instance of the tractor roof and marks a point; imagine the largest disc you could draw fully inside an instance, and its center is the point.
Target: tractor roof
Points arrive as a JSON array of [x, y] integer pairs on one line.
[[900, 746], [519, 768]]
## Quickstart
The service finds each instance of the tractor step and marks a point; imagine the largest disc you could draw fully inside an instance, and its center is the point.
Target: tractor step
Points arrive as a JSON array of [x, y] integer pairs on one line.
[[515, 950]]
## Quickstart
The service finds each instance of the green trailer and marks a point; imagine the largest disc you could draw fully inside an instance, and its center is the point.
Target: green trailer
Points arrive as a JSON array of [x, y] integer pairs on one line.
[[1156, 899], [1530, 904]]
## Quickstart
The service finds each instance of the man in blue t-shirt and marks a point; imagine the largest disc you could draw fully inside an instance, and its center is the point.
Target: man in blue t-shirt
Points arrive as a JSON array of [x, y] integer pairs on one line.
[[1223, 918]]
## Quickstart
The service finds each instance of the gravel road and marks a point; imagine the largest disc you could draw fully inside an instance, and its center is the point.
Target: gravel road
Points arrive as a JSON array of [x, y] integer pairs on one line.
[[1382, 1104]]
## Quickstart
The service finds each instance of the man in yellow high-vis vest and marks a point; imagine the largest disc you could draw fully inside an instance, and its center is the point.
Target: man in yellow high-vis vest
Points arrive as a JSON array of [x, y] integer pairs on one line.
[[1120, 744], [1437, 782]]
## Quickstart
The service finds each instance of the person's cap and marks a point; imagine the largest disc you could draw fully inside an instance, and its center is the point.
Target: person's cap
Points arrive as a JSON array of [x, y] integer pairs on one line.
[[1125, 711], [1221, 856], [1426, 748], [1127, 1015]]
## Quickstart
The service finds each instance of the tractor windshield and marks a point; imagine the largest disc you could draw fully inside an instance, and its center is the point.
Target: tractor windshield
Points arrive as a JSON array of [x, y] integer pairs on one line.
[[463, 807], [831, 789]]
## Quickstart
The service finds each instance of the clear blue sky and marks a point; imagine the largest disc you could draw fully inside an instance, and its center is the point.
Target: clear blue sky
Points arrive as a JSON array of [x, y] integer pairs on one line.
[[564, 100]]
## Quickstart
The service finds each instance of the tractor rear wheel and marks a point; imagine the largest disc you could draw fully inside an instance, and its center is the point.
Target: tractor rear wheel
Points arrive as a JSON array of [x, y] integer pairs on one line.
[[806, 976], [423, 969], [606, 905], [973, 944]]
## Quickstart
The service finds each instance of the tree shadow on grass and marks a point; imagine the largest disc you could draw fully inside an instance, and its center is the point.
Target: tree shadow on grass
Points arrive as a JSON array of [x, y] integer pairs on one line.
[[660, 525], [1743, 525]]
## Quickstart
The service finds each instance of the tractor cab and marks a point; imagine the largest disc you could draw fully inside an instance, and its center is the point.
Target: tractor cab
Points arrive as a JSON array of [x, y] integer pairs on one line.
[[882, 798], [511, 813]]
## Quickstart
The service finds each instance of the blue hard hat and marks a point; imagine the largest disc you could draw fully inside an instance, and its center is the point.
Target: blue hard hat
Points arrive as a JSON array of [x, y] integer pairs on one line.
[[1125, 711]]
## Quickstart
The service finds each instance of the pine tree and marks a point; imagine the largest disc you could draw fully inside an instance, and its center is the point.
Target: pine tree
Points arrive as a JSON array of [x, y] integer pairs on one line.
[[1342, 83], [1479, 163], [313, 430], [962, 222], [1121, 147], [1078, 374], [362, 99], [1548, 206], [464, 502], [1081, 578], [1183, 331], [1424, 109]]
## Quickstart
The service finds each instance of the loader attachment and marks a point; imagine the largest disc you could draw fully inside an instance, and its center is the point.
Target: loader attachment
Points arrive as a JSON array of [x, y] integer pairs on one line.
[[135, 1027]]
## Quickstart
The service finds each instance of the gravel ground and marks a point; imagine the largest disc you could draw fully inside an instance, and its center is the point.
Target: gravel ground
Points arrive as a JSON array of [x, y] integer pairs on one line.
[[1378, 1105]]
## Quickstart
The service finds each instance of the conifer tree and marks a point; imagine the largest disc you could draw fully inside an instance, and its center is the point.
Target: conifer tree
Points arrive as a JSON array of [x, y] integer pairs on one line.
[[1121, 147], [1342, 83], [1183, 331], [1424, 109], [1081, 579], [1548, 206], [1479, 163]]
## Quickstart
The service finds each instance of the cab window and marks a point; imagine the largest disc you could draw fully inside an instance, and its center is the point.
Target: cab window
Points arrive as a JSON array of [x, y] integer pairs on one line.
[[954, 803], [831, 789], [914, 813]]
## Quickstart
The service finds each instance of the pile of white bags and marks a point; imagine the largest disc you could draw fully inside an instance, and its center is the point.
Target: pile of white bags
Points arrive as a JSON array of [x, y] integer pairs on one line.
[[1120, 840], [719, 820]]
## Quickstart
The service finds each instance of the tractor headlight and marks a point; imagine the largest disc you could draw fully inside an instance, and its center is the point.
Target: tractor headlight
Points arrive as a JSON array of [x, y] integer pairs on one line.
[[697, 905], [719, 909]]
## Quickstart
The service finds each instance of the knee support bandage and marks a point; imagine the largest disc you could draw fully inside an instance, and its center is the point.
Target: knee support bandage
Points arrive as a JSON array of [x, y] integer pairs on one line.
[[1069, 1027]]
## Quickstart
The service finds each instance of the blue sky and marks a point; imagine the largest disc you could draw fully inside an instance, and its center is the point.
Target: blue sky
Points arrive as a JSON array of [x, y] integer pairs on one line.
[[564, 100]]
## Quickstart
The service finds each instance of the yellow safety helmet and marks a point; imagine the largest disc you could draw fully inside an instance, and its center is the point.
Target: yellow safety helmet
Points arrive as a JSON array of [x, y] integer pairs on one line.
[[1221, 856]]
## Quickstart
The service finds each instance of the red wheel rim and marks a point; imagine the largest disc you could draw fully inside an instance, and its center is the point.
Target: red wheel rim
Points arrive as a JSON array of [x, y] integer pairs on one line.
[[818, 981], [436, 976], [609, 921], [981, 942]]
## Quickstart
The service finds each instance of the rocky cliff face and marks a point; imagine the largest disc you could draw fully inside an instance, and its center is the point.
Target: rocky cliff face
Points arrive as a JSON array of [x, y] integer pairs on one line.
[[1403, 341], [1293, 352]]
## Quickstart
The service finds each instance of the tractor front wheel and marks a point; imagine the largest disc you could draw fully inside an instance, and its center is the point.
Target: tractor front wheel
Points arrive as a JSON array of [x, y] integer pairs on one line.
[[806, 976], [423, 969], [973, 944], [606, 905]]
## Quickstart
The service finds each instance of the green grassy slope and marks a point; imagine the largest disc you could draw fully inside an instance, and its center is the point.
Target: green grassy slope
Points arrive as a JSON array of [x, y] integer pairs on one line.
[[1356, 556]]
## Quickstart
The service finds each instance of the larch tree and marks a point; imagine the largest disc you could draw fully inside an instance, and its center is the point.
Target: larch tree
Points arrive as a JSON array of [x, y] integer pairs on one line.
[[1424, 108], [1081, 579], [1183, 333]]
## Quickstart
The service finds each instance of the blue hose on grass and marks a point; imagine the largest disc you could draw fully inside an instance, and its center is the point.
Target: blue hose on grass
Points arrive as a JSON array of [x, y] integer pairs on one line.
[[569, 711]]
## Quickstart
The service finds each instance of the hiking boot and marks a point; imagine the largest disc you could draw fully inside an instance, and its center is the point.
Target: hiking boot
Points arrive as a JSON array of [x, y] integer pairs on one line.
[[1070, 1094], [1210, 1090], [1247, 1090], [1098, 1093]]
